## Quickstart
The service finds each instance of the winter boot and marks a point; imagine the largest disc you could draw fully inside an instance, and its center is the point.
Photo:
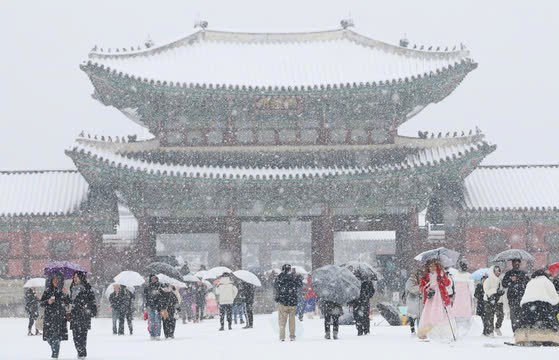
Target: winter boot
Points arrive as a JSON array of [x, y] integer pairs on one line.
[[230, 328], [37, 332], [29, 333], [221, 328], [335, 335], [498, 332], [327, 336]]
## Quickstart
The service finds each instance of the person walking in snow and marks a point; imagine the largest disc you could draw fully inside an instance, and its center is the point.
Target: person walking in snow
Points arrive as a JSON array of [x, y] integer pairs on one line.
[[515, 281], [226, 293], [413, 300], [117, 300], [362, 305], [152, 305], [32, 309], [200, 298], [248, 296], [462, 306], [169, 307], [54, 300], [538, 324], [129, 308], [436, 301], [239, 304], [493, 302], [332, 312], [84, 307], [187, 297], [286, 287], [479, 296]]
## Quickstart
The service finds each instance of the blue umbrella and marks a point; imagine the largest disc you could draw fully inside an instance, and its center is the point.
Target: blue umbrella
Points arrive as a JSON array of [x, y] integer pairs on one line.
[[480, 273]]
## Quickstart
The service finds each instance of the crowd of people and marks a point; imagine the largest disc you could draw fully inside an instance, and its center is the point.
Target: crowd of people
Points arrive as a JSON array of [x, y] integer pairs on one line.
[[441, 303]]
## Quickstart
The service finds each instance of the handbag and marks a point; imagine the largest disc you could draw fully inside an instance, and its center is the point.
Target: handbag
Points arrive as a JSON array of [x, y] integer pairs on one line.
[[164, 314]]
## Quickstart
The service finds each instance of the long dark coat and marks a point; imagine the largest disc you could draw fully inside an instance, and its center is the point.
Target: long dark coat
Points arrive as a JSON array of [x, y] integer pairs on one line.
[[83, 308], [54, 326], [169, 301], [31, 303]]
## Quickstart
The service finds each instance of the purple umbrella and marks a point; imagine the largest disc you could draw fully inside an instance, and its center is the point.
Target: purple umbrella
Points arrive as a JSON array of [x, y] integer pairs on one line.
[[66, 268]]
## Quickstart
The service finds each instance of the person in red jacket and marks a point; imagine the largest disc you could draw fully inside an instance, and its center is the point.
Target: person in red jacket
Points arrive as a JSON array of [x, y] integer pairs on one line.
[[435, 318]]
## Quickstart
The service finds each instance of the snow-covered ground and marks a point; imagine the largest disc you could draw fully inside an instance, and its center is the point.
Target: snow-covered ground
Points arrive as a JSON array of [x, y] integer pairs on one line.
[[204, 342]]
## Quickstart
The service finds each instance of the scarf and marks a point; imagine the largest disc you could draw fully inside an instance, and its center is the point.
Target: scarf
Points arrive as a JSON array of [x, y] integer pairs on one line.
[[76, 290]]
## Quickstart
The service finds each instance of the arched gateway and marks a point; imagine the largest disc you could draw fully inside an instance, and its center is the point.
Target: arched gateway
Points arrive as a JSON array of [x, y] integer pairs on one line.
[[253, 127]]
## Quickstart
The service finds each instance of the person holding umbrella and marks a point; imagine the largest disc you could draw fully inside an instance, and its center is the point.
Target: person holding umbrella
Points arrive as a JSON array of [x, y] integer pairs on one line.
[[152, 305], [226, 293], [515, 281], [413, 299], [362, 305], [118, 306], [32, 309], [84, 307], [55, 300], [332, 312], [493, 303], [433, 286]]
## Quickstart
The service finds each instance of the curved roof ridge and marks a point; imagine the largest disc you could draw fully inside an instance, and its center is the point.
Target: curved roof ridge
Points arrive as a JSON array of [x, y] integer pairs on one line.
[[518, 166], [10, 172], [240, 37]]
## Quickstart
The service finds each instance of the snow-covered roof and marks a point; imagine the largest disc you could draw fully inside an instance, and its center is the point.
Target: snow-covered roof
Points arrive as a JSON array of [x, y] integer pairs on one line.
[[423, 157], [376, 236], [529, 187], [51, 192], [277, 59]]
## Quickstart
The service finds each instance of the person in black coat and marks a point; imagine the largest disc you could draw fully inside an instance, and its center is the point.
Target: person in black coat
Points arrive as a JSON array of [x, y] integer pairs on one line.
[[55, 300], [152, 304], [479, 295], [362, 306], [515, 281], [169, 307], [200, 299], [118, 301], [332, 312], [248, 295], [129, 308], [287, 287], [84, 308], [32, 309]]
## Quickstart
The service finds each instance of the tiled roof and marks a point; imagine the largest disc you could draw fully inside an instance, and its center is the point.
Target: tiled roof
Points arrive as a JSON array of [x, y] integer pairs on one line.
[[423, 157], [499, 188], [52, 192], [280, 59]]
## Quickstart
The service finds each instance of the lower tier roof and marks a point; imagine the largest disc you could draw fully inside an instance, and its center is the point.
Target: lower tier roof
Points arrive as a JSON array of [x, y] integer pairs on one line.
[[512, 188]]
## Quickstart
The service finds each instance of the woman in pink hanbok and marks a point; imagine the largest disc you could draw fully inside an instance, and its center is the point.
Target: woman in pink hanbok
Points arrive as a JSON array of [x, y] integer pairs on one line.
[[435, 319]]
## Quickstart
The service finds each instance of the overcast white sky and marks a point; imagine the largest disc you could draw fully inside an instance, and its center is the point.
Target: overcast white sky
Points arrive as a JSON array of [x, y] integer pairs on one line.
[[45, 100]]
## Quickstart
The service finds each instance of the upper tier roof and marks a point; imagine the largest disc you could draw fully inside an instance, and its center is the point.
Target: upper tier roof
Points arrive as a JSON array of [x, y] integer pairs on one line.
[[501, 188], [49, 192], [277, 59]]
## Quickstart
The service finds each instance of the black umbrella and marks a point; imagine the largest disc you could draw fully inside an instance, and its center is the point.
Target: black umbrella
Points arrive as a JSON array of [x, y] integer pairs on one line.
[[362, 269], [163, 268], [390, 313], [336, 284]]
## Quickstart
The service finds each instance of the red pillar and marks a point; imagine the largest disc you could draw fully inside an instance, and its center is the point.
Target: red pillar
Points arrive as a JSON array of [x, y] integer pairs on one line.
[[230, 242], [322, 240], [145, 248]]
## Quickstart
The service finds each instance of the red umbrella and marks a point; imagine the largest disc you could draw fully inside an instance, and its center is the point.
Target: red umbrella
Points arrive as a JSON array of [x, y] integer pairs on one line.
[[554, 268]]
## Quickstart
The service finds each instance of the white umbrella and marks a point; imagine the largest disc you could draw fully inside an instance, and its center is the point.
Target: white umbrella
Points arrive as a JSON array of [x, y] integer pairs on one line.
[[207, 284], [247, 277], [129, 278], [35, 282], [513, 254], [300, 270], [190, 278], [216, 272], [164, 279], [446, 256], [201, 274], [111, 289]]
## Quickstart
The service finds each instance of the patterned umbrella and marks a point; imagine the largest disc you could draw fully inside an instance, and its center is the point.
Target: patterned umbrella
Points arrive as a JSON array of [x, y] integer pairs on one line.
[[513, 254], [446, 256]]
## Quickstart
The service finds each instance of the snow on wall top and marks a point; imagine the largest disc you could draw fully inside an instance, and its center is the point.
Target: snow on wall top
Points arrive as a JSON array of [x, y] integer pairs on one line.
[[127, 228], [493, 188], [275, 59], [53, 192]]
